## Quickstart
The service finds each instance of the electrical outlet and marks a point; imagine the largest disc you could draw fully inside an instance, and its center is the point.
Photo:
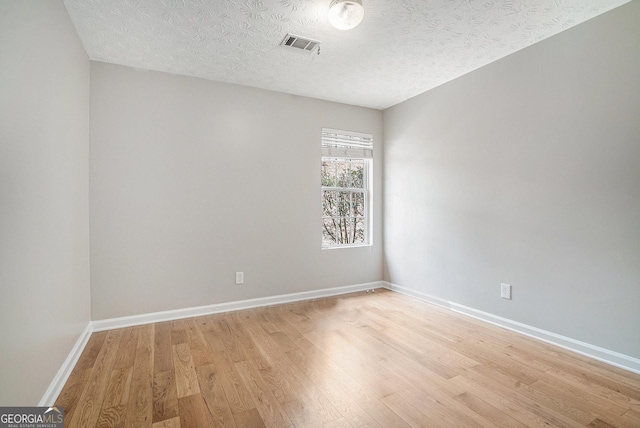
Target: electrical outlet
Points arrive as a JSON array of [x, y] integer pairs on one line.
[[505, 291], [239, 277]]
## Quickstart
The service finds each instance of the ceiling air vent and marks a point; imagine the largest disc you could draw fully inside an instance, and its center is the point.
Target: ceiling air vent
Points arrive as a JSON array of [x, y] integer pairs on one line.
[[300, 43]]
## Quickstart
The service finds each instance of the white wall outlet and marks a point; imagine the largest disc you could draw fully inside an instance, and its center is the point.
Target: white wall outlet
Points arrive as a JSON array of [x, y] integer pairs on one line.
[[239, 277], [505, 291]]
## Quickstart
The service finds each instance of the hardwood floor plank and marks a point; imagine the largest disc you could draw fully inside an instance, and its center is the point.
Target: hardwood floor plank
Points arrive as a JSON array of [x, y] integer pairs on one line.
[[226, 335], [597, 423], [162, 349], [215, 343], [207, 322], [186, 379], [408, 413], [91, 350], [343, 392], [238, 328], [442, 408], [338, 423], [214, 397], [285, 327], [282, 341], [267, 324], [631, 419], [193, 412], [406, 368], [495, 358], [237, 395], [181, 324], [349, 357], [423, 347], [127, 349], [235, 390], [434, 327], [140, 406], [554, 375], [288, 384], [165, 396], [199, 349], [90, 402], [578, 403], [118, 388], [583, 400], [277, 380], [112, 417], [301, 415], [512, 402], [72, 391], [489, 412], [266, 404], [179, 336], [578, 366], [249, 418], [168, 423]]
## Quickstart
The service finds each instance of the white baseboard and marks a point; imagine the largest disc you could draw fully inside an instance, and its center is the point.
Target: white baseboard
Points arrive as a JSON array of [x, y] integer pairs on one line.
[[109, 324], [417, 295], [50, 395], [613, 358]]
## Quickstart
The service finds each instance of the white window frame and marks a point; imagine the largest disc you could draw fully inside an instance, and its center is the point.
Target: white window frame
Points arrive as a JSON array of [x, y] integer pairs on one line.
[[342, 145]]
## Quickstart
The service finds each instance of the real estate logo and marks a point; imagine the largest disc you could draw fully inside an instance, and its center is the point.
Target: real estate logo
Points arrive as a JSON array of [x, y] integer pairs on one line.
[[31, 417]]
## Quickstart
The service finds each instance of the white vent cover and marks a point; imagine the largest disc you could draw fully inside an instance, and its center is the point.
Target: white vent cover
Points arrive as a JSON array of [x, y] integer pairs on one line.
[[300, 43]]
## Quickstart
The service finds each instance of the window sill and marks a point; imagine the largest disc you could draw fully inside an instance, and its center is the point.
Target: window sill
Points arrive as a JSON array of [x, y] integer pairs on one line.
[[338, 247]]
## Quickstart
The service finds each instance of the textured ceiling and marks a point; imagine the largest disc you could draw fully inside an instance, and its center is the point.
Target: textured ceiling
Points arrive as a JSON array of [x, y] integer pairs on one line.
[[401, 49]]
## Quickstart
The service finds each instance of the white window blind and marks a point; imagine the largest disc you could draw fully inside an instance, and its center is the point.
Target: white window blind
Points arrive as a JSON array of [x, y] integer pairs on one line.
[[346, 144]]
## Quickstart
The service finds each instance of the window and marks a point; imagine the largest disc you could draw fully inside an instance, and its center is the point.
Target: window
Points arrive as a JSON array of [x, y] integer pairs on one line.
[[346, 189]]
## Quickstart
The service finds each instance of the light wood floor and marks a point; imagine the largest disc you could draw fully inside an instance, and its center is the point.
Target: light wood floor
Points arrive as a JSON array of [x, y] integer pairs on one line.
[[360, 360]]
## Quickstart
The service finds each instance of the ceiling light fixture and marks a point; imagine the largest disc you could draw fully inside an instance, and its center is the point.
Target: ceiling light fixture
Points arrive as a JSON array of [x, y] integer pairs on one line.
[[346, 14]]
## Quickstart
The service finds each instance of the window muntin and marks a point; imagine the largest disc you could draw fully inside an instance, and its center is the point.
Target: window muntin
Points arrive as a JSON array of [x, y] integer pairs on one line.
[[346, 172]]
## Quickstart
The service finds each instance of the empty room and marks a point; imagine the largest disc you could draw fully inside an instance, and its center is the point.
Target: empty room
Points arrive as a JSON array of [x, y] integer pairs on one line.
[[320, 213]]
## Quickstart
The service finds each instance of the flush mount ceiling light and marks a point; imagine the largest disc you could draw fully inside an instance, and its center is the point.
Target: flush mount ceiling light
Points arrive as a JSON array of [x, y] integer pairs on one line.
[[346, 14]]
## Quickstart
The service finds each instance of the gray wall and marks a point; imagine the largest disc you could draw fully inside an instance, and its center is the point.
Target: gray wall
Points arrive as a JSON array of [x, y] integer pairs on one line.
[[44, 213], [527, 171], [193, 180]]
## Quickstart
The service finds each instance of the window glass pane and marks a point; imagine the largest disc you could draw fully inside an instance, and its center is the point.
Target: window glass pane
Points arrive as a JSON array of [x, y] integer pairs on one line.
[[344, 204], [357, 173], [329, 173], [359, 234], [328, 232], [343, 230], [357, 201], [329, 203], [348, 225], [343, 173]]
